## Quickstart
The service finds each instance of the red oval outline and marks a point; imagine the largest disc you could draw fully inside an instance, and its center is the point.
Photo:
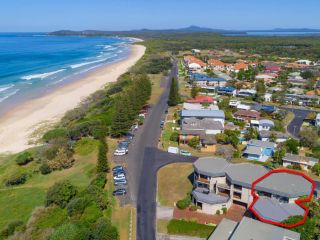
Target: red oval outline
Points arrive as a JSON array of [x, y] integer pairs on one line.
[[298, 201]]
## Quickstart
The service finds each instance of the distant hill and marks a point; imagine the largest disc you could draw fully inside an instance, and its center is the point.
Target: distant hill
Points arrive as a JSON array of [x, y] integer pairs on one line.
[[190, 29]]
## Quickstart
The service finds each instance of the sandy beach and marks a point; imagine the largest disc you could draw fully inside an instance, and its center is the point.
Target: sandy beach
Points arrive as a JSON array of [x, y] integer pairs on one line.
[[19, 124]]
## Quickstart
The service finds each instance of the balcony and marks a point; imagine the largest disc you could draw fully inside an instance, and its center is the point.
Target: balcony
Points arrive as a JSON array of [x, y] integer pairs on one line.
[[202, 180], [223, 186]]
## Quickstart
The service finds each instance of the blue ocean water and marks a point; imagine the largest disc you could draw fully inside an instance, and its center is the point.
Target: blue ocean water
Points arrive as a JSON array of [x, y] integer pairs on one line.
[[32, 64]]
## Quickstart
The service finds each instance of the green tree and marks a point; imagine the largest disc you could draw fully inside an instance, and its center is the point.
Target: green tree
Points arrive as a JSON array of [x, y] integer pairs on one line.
[[252, 133], [103, 230], [24, 158], [194, 91], [102, 165], [308, 137], [316, 169], [61, 161], [174, 96], [278, 155], [60, 194], [194, 142], [292, 146]]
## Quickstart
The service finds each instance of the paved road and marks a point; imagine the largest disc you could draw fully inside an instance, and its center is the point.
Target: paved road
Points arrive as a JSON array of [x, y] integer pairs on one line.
[[295, 125], [153, 160]]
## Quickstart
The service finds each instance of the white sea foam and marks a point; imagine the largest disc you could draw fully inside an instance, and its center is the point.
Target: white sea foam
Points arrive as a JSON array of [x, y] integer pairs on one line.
[[8, 95], [41, 75], [6, 87], [87, 63]]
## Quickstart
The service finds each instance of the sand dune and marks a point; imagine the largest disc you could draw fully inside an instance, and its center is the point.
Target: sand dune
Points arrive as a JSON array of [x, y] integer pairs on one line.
[[18, 125]]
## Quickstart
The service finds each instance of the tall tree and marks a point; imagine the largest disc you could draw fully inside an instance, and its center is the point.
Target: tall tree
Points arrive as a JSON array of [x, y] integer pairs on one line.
[[102, 164], [174, 97]]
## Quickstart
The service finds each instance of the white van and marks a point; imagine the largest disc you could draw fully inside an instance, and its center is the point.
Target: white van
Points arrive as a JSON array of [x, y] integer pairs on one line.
[[174, 150]]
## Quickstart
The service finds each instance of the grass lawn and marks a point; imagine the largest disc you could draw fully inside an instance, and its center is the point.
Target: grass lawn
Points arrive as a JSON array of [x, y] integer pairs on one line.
[[18, 203], [174, 183], [157, 90], [162, 226], [181, 227]]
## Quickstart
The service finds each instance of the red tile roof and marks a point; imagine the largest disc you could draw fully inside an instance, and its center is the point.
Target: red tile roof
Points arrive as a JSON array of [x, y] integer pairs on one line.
[[201, 99], [215, 62], [191, 59]]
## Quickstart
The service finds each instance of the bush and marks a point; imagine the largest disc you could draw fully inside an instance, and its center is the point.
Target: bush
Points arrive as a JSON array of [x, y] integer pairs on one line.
[[45, 168], [60, 194], [103, 230], [193, 208], [76, 206], [61, 161], [67, 231], [194, 142], [184, 203], [224, 210], [98, 196], [102, 165], [16, 179], [218, 212], [11, 228], [24, 158], [100, 180], [174, 137], [54, 134]]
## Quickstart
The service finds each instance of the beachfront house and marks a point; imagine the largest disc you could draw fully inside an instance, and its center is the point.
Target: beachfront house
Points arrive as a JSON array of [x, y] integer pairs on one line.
[[214, 115], [219, 184], [258, 150], [306, 163]]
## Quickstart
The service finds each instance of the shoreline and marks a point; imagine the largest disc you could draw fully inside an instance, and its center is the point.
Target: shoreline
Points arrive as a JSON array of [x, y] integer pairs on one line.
[[19, 124]]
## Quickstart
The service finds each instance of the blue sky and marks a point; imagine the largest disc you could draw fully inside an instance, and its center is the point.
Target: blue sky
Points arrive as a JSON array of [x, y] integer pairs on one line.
[[49, 15]]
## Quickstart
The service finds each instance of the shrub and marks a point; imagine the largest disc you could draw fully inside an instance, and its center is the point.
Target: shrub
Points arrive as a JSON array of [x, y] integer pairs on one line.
[[60, 194], [54, 134], [224, 210], [61, 161], [194, 142], [98, 196], [174, 137], [193, 208], [218, 212], [103, 230], [16, 179], [67, 231], [100, 180], [24, 158], [76, 206], [45, 168], [102, 165], [11, 228], [184, 203]]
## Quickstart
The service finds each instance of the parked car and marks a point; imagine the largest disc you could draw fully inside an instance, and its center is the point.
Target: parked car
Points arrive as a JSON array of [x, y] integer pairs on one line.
[[116, 173], [120, 182], [174, 150], [121, 151], [117, 168], [119, 177], [129, 137], [162, 124], [134, 127], [185, 153], [119, 192]]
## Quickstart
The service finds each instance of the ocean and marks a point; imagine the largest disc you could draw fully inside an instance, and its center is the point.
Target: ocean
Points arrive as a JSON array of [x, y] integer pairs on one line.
[[34, 64]]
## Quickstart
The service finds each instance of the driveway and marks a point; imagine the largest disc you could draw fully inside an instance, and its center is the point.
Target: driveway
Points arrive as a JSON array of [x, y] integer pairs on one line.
[[295, 125]]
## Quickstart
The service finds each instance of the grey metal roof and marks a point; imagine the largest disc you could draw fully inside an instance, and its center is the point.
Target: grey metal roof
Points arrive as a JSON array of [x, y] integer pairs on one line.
[[224, 230], [205, 138], [203, 113], [208, 197], [244, 174], [267, 134], [253, 150], [201, 124], [266, 122], [271, 209], [285, 184], [298, 159], [250, 229], [263, 144], [211, 166]]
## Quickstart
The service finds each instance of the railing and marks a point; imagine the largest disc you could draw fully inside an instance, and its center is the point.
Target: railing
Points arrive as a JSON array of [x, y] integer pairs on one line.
[[223, 185], [202, 180]]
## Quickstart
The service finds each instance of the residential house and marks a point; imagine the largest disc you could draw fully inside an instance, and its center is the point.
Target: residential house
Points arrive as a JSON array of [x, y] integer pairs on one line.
[[304, 61], [239, 66], [203, 81], [268, 135], [252, 229], [215, 115], [266, 78], [218, 184], [231, 91], [199, 106], [271, 67], [262, 124], [201, 100], [208, 142], [209, 126], [246, 115], [194, 64], [217, 65], [306, 163], [246, 93], [258, 150]]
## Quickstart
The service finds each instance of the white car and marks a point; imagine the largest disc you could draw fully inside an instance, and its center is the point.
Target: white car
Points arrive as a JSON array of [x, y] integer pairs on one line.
[[121, 151], [117, 178], [174, 150]]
